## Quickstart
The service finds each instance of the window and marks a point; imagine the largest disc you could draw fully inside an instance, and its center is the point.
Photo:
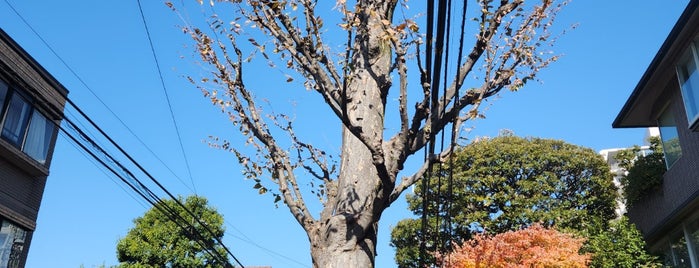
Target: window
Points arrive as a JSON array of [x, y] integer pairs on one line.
[[16, 119], [3, 92], [692, 230], [688, 75], [12, 239], [669, 137], [38, 138], [23, 126], [678, 253]]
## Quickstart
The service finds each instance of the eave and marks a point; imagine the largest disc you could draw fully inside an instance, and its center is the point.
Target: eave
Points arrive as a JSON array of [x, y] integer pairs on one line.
[[642, 107]]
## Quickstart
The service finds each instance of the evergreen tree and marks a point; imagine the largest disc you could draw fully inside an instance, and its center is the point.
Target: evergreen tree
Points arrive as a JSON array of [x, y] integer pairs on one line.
[[508, 183], [157, 241]]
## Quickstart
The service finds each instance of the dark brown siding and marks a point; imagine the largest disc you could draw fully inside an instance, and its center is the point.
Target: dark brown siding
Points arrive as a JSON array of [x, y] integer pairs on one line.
[[20, 194], [664, 208], [23, 72]]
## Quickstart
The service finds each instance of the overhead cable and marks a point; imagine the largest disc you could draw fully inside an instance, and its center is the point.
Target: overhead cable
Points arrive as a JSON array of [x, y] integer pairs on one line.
[[93, 92], [141, 189], [122, 122], [167, 96], [126, 176], [437, 62], [153, 179]]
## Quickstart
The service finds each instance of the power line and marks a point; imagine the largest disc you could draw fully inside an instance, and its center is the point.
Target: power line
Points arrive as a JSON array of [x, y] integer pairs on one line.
[[135, 184], [101, 169], [450, 189], [144, 192], [246, 239], [426, 79], [153, 179], [97, 162], [167, 97], [126, 176], [435, 71], [94, 94]]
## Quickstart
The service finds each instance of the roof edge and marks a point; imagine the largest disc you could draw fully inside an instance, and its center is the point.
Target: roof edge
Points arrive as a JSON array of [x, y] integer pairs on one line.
[[33, 63], [662, 53]]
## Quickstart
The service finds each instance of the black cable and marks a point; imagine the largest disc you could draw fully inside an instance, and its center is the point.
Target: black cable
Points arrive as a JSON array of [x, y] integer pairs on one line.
[[167, 97], [428, 45], [450, 181], [442, 202], [143, 189], [91, 91], [111, 111], [443, 21], [149, 175], [167, 213], [109, 138], [435, 72], [425, 179]]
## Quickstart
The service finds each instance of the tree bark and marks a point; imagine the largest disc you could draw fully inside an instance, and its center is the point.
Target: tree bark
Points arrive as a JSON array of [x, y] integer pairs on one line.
[[347, 237], [346, 232]]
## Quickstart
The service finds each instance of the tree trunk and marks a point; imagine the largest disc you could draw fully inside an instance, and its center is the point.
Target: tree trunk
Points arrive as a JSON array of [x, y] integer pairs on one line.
[[342, 249], [347, 238], [346, 233]]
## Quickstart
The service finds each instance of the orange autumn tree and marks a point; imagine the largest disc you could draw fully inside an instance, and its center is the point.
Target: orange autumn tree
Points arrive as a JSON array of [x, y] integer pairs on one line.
[[535, 246]]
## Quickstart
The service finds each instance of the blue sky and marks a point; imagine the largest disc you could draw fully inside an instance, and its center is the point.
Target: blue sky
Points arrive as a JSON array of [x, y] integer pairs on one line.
[[84, 212]]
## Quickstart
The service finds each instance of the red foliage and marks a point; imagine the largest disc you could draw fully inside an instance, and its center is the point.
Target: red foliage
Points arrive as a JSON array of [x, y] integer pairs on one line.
[[535, 246]]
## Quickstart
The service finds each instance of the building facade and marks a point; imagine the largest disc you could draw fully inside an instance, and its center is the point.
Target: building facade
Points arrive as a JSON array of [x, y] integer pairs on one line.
[[31, 109], [667, 97]]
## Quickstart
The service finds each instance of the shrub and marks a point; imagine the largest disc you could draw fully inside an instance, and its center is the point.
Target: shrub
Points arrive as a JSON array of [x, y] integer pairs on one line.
[[644, 172], [535, 246]]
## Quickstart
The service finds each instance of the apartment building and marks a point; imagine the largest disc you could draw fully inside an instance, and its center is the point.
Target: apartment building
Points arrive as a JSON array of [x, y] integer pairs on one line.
[[667, 97], [31, 105]]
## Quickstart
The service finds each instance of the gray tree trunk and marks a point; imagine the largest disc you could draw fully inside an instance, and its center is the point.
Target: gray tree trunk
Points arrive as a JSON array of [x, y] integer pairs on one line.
[[346, 235]]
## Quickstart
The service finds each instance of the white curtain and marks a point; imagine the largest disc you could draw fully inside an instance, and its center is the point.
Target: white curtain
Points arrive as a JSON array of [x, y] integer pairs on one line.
[[38, 137]]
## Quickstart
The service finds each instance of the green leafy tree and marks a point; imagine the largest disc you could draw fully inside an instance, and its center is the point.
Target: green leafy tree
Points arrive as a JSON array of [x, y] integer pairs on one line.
[[157, 241], [644, 172], [619, 245], [507, 183], [99, 266]]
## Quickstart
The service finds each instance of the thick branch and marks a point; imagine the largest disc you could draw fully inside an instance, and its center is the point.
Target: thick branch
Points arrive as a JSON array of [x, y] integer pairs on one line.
[[418, 135], [408, 181]]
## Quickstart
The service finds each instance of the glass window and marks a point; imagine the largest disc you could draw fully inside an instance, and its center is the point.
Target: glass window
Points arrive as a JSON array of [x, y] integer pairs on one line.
[[667, 257], [3, 93], [23, 126], [669, 137], [693, 231], [12, 239], [688, 75], [16, 118], [677, 255], [39, 137]]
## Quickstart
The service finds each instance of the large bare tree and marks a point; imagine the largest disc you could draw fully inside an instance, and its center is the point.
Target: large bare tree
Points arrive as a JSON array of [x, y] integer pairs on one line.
[[506, 45]]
